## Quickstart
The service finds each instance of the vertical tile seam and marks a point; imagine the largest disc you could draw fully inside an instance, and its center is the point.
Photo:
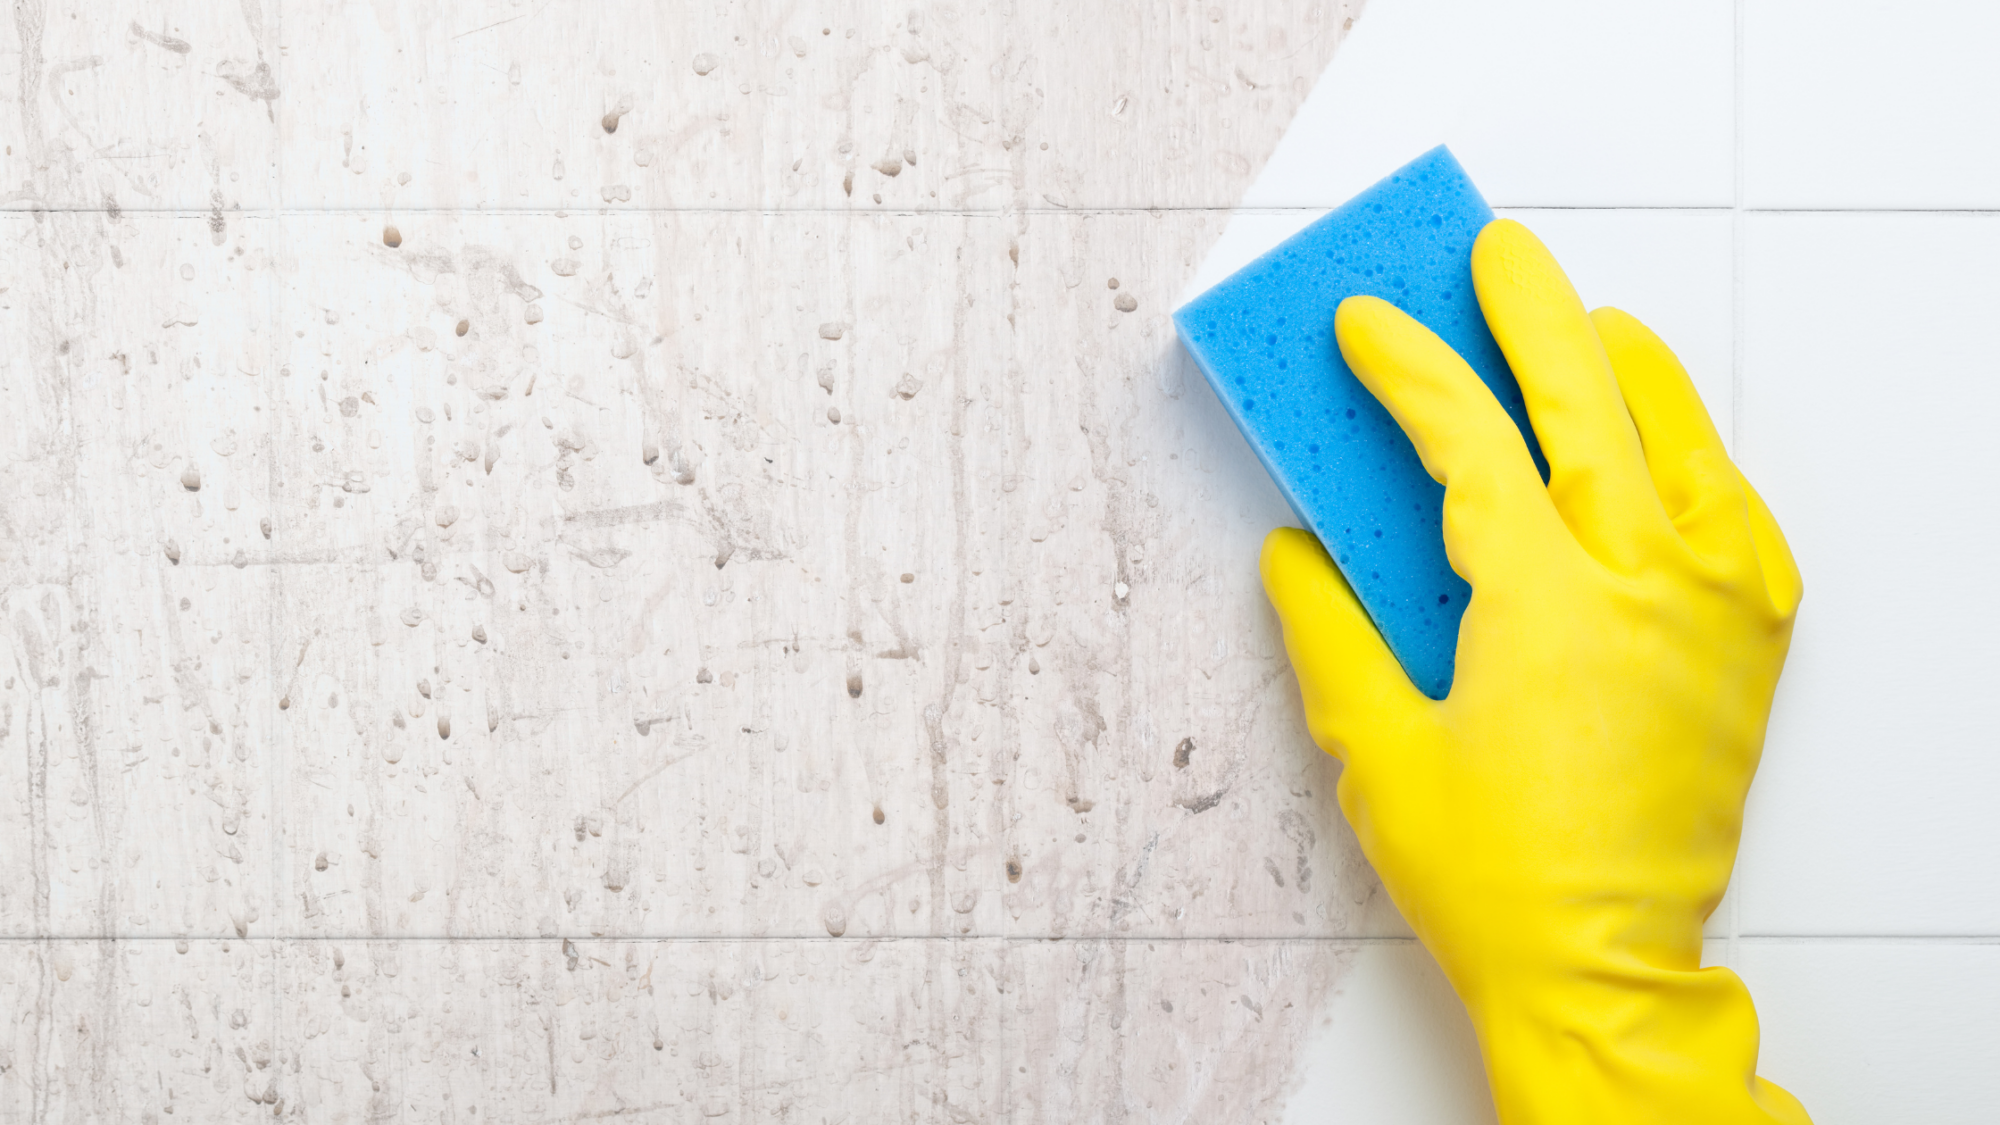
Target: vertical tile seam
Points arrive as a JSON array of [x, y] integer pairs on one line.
[[1736, 338], [280, 747]]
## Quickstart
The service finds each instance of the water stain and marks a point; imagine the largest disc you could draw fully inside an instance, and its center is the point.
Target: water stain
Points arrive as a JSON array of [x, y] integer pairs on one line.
[[252, 80], [1204, 802], [177, 46]]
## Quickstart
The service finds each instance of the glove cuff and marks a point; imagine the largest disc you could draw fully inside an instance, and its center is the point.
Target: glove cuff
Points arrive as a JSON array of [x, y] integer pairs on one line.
[[1622, 1040]]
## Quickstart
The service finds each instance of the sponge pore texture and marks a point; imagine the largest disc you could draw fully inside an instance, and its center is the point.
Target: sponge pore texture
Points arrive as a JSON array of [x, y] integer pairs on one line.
[[1264, 338]]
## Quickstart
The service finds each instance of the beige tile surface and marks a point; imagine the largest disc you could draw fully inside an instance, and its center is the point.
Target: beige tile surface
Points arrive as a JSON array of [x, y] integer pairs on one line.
[[562, 1030], [145, 1030], [800, 593], [948, 1030], [135, 697], [143, 105], [450, 543]]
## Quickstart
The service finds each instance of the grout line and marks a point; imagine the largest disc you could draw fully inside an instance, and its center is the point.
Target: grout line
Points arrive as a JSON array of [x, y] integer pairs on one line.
[[1884, 939], [278, 211], [279, 774], [710, 939], [1736, 352], [1018, 939]]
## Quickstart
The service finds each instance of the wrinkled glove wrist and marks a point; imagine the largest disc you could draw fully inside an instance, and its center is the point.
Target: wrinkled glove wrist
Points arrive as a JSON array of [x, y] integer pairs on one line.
[[1618, 1040]]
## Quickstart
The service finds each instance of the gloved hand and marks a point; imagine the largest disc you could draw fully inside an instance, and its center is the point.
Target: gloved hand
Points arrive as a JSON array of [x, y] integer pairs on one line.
[[1558, 828]]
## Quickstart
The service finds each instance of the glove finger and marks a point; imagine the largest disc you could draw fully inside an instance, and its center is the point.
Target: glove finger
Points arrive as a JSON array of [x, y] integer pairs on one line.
[[1597, 472], [1782, 580], [1348, 678], [1493, 493], [1696, 482]]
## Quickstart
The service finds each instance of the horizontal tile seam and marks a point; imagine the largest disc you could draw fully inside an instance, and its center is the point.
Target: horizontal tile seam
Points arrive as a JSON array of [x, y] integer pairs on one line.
[[267, 214], [1634, 208], [1022, 939], [515, 939]]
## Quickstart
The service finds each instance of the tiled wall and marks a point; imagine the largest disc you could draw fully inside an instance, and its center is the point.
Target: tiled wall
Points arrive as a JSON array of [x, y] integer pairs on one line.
[[1803, 197], [731, 614]]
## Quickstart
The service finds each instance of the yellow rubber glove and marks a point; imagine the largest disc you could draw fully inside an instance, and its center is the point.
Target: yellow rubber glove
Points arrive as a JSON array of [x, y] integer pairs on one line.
[[1557, 830]]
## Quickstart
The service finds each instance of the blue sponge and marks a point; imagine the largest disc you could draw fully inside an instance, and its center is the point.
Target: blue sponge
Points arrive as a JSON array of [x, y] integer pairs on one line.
[[1264, 338]]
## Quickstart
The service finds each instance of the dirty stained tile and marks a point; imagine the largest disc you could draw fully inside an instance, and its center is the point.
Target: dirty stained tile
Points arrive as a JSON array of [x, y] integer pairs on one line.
[[810, 594], [992, 1029], [809, 604], [861, 600], [638, 582], [146, 1030], [933, 107], [135, 692], [634, 105], [150, 105], [578, 1029]]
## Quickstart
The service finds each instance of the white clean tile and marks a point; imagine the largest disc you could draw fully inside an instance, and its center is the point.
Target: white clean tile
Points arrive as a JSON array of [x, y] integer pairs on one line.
[[1672, 270], [1394, 1045], [1870, 386], [1849, 104], [1559, 103], [1865, 1032]]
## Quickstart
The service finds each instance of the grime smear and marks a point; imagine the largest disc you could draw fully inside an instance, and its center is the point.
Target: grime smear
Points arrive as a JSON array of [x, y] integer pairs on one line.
[[177, 46]]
